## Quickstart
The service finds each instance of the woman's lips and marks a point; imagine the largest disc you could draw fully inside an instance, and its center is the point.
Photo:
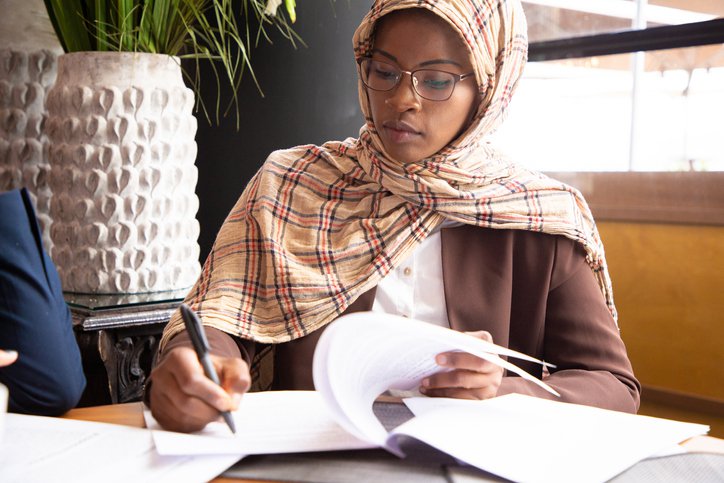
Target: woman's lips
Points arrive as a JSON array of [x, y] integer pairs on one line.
[[400, 132]]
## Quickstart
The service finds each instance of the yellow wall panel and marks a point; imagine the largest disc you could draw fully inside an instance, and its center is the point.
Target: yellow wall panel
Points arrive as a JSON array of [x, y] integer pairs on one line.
[[668, 283]]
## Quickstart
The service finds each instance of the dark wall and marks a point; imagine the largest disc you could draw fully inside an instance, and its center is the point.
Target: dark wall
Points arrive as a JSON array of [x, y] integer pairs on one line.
[[310, 96]]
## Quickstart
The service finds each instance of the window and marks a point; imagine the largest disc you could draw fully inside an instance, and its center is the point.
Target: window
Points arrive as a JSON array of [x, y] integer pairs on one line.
[[618, 85]]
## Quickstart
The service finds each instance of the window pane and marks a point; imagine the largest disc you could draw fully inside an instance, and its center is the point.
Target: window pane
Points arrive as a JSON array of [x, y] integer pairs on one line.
[[548, 22], [575, 115], [571, 116], [556, 19], [712, 7], [680, 125]]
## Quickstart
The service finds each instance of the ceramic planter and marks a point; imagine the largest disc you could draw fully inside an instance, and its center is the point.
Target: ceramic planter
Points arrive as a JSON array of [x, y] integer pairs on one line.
[[121, 148], [28, 57]]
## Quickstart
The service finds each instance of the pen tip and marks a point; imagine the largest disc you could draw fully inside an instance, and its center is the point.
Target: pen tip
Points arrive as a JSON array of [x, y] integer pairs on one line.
[[230, 422]]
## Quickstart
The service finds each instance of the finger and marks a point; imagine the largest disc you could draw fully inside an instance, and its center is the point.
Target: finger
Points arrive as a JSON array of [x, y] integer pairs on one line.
[[234, 376], [465, 361], [175, 410], [7, 357], [182, 398], [192, 381], [481, 334], [461, 379], [460, 393], [462, 384]]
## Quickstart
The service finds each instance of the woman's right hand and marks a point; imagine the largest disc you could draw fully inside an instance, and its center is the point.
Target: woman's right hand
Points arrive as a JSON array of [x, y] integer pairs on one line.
[[7, 357], [183, 399]]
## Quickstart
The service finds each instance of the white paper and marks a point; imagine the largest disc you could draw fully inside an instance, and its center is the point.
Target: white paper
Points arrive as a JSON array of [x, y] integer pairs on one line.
[[523, 438], [266, 423], [363, 354], [42, 449], [517, 437]]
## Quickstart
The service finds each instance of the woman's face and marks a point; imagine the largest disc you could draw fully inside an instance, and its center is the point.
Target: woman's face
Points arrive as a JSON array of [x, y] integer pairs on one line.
[[412, 127]]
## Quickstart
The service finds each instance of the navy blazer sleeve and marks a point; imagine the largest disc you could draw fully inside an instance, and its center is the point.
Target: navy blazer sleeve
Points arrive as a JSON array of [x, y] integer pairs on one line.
[[47, 378]]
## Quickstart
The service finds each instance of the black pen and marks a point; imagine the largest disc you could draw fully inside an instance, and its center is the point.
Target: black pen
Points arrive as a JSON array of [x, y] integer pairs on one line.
[[201, 346]]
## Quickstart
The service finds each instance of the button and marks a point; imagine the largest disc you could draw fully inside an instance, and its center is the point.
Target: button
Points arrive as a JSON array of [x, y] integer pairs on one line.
[[407, 271]]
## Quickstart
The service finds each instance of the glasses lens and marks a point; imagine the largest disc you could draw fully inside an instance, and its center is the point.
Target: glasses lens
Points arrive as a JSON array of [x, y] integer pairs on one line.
[[434, 84], [379, 76]]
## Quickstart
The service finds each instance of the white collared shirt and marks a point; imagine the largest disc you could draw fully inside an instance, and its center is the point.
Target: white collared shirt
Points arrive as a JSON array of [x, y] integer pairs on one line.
[[415, 288]]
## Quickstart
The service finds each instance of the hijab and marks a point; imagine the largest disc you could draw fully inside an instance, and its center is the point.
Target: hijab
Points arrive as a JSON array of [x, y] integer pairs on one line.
[[317, 226]]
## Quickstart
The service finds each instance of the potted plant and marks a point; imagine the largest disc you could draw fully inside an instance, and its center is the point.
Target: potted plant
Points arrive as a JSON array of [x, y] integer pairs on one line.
[[121, 133]]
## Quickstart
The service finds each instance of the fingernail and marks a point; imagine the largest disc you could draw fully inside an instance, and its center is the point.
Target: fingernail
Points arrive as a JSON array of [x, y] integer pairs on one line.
[[425, 383], [442, 360]]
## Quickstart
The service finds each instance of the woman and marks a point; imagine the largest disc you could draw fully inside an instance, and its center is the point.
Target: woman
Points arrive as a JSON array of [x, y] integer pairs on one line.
[[504, 253]]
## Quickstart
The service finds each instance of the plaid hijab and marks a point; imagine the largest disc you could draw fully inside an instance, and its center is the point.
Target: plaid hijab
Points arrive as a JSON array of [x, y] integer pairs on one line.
[[318, 226]]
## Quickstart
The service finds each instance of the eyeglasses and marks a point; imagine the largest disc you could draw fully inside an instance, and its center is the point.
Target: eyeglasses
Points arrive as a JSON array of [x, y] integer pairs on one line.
[[431, 84]]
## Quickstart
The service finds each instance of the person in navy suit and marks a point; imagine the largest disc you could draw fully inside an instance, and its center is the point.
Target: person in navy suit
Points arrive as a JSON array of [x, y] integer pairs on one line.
[[39, 358]]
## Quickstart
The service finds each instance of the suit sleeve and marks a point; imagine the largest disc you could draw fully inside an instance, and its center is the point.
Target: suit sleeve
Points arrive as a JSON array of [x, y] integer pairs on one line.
[[47, 378], [581, 338], [220, 344]]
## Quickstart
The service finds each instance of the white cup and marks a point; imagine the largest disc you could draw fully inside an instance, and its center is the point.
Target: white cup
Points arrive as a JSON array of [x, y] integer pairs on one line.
[[3, 409]]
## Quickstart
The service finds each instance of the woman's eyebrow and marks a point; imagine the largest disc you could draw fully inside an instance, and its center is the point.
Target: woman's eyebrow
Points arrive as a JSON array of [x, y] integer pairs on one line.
[[439, 61], [422, 64], [386, 54]]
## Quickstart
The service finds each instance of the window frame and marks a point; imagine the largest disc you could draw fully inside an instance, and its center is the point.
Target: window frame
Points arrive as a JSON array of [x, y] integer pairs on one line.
[[648, 195], [629, 41]]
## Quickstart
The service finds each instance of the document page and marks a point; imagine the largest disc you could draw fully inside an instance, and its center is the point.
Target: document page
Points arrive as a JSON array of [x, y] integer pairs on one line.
[[361, 355], [43, 449], [266, 423], [523, 438]]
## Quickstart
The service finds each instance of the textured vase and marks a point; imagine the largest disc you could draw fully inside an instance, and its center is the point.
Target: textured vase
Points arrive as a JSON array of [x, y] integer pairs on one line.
[[28, 56], [122, 150]]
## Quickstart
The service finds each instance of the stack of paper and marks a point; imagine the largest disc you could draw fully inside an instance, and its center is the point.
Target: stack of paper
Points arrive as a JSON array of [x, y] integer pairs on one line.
[[516, 437], [361, 355]]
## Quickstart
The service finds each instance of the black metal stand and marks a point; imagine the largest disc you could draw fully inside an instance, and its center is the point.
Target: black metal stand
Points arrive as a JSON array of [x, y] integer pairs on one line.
[[118, 336]]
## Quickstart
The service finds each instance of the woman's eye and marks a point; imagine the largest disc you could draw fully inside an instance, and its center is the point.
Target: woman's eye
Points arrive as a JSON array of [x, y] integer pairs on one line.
[[436, 80], [384, 73]]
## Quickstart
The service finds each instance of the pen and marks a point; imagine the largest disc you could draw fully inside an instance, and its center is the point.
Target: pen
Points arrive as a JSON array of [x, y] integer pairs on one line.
[[201, 346]]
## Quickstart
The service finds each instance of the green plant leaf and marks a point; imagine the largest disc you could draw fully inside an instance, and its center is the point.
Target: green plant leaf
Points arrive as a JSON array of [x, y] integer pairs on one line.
[[290, 5], [194, 29]]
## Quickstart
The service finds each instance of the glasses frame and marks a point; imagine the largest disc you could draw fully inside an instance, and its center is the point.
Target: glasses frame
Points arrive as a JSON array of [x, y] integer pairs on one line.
[[456, 78]]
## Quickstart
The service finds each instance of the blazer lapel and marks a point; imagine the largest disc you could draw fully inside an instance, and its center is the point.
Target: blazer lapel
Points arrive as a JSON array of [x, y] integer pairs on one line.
[[477, 280]]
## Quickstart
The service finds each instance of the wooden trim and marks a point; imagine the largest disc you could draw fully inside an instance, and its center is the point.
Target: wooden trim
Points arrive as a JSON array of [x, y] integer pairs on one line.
[[680, 400], [695, 198]]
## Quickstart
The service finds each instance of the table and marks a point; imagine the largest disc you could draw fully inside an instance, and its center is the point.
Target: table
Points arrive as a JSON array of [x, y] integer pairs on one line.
[[131, 414]]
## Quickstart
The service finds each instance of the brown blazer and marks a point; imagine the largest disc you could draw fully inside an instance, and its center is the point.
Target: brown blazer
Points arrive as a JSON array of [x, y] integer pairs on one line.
[[533, 292]]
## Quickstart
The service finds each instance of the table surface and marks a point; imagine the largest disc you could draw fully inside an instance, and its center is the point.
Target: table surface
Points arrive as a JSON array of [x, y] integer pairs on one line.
[[131, 414]]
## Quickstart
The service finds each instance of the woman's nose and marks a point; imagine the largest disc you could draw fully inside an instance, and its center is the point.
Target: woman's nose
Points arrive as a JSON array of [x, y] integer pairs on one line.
[[403, 96]]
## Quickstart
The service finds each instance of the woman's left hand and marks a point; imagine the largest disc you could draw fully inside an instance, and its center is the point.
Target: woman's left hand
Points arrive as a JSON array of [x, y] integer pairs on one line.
[[470, 378]]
